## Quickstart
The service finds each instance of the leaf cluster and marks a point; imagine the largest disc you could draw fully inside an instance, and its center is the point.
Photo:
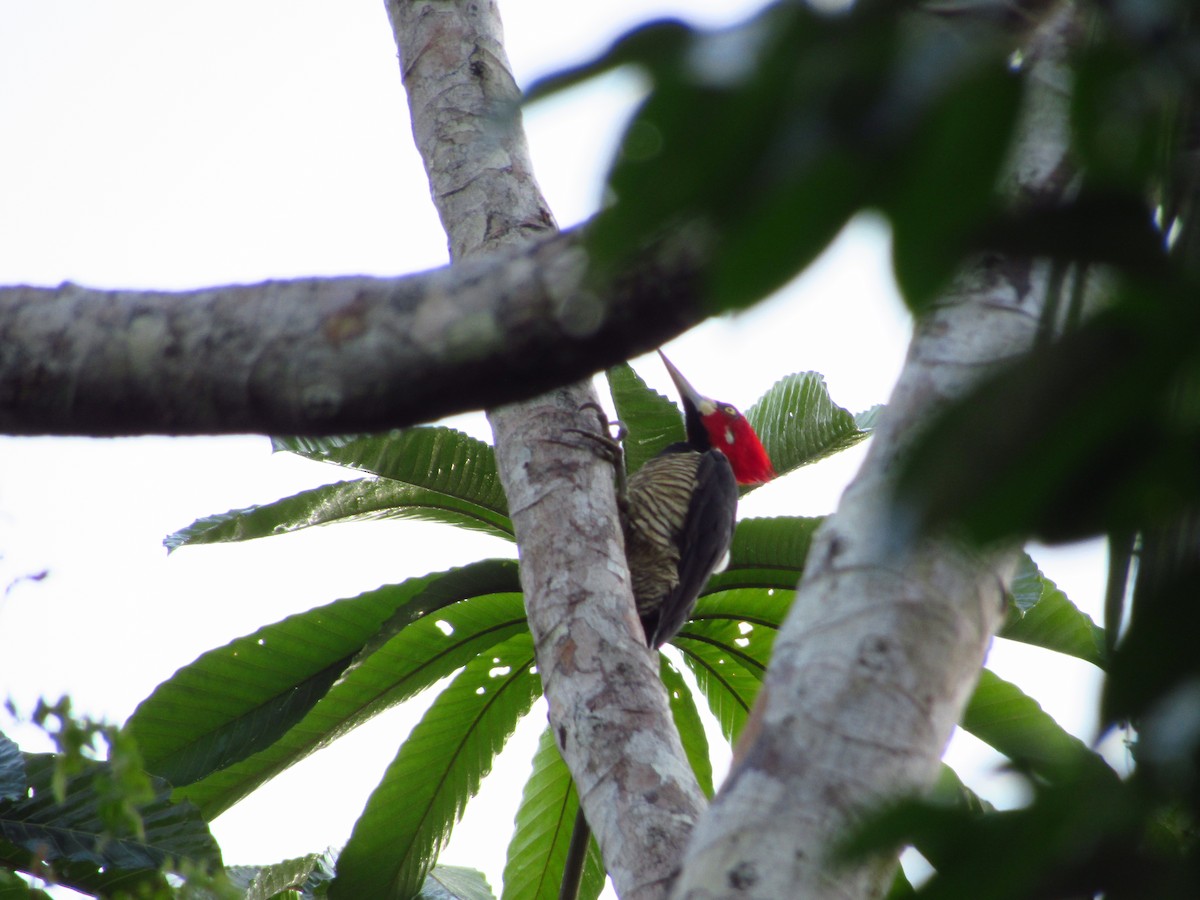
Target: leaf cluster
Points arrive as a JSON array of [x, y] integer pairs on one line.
[[102, 827], [1093, 433], [762, 140], [239, 714]]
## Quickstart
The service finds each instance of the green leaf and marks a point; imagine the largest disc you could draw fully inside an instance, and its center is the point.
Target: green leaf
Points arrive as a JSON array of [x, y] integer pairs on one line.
[[688, 723], [955, 154], [818, 116], [364, 500], [306, 875], [432, 474], [766, 553], [869, 418], [545, 820], [783, 90], [239, 699], [879, 831], [434, 457], [406, 664], [950, 791], [1088, 836], [1044, 617], [652, 422], [901, 888], [1060, 447], [74, 837], [455, 883], [651, 45], [796, 420], [727, 645], [13, 782], [1093, 227], [792, 226], [1121, 103], [1155, 669], [13, 887], [1002, 716], [426, 788], [799, 424]]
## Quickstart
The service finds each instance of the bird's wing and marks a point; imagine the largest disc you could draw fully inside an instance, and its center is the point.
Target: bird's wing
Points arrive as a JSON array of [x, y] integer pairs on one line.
[[703, 541]]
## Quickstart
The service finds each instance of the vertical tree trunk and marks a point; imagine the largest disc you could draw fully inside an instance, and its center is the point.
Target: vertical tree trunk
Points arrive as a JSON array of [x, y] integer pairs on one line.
[[607, 707], [884, 644]]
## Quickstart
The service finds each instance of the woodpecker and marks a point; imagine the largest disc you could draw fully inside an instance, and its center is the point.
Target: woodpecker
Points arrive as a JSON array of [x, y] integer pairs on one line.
[[680, 509]]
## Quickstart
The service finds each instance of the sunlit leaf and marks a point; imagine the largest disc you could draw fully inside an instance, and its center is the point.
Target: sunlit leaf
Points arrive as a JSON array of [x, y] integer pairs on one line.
[[767, 553], [425, 790], [727, 645], [432, 474], [365, 500], [652, 421], [412, 660], [455, 883], [239, 699], [307, 876], [434, 457], [869, 418], [1044, 617], [800, 424], [1002, 716], [545, 821], [688, 723]]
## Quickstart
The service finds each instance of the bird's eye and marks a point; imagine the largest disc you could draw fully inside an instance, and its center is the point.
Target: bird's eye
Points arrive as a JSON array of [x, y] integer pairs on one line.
[[729, 410]]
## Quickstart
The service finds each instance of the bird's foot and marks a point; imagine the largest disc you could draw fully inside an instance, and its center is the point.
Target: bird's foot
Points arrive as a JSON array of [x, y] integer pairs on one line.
[[603, 442], [607, 443]]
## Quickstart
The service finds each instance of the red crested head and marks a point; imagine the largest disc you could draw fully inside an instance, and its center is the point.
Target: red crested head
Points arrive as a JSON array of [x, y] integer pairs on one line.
[[730, 433], [712, 424]]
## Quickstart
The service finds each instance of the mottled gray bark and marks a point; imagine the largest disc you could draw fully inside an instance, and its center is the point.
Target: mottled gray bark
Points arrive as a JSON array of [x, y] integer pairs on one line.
[[330, 355], [884, 644], [608, 709]]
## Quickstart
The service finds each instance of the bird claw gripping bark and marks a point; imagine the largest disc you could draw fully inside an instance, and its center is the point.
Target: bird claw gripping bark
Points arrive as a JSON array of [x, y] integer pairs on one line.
[[604, 442], [610, 443]]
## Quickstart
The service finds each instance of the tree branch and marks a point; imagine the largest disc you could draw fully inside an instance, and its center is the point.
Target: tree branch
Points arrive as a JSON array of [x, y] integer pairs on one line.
[[608, 710], [884, 643], [330, 355]]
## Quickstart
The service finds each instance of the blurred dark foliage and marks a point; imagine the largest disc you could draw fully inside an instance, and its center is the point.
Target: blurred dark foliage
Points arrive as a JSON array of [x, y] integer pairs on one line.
[[764, 139]]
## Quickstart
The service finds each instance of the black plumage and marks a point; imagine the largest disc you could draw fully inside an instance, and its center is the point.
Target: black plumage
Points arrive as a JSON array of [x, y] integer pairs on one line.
[[680, 510]]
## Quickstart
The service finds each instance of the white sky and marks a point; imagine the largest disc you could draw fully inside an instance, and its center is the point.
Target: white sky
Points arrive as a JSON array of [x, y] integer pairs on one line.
[[165, 145]]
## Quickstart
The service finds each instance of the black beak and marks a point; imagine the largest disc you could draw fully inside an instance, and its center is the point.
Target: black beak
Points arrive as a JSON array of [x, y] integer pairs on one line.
[[697, 434], [688, 393]]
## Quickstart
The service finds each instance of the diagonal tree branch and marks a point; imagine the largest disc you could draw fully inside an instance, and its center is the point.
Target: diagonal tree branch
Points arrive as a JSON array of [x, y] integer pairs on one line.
[[607, 706], [333, 355], [884, 643]]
